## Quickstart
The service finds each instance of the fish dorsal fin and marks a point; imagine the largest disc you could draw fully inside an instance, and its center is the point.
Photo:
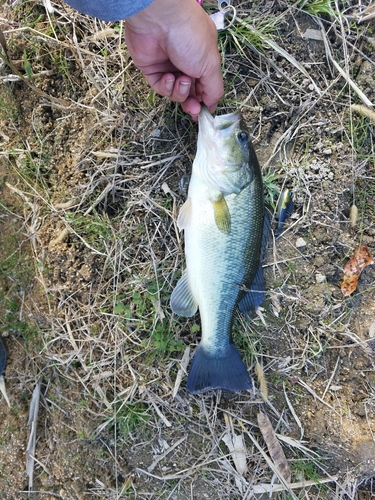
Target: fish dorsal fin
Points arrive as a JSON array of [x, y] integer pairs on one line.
[[183, 218], [182, 301], [222, 215]]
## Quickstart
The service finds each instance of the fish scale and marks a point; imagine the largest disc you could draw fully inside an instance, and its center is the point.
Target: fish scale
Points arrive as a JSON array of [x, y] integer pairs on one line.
[[221, 256]]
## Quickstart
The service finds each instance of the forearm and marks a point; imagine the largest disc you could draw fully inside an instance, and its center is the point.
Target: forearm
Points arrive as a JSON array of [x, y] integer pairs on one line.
[[109, 10]]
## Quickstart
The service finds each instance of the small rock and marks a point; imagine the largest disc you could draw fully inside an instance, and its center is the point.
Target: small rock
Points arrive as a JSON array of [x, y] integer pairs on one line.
[[300, 242], [327, 151], [320, 278], [156, 133], [313, 34], [371, 332]]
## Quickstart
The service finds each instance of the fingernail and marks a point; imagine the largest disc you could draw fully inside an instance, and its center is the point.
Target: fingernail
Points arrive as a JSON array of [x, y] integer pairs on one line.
[[184, 87], [169, 84]]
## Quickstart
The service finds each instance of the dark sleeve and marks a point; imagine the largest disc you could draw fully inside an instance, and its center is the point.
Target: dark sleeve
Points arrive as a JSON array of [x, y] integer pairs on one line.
[[109, 10]]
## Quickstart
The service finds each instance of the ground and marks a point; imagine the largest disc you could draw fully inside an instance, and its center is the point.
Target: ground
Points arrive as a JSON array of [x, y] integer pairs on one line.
[[93, 169]]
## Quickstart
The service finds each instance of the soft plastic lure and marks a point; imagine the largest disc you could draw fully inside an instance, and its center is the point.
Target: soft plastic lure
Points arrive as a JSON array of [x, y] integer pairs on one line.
[[3, 364], [284, 209]]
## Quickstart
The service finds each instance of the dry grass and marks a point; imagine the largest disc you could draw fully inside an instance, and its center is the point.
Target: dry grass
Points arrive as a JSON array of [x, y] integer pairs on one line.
[[98, 171]]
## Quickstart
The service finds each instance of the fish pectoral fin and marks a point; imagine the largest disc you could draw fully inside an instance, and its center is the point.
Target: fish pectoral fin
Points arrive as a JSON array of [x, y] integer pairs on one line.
[[222, 215], [183, 218], [182, 301]]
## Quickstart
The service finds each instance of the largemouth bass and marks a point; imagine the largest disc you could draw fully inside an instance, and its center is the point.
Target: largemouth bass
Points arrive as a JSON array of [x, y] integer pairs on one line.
[[223, 220]]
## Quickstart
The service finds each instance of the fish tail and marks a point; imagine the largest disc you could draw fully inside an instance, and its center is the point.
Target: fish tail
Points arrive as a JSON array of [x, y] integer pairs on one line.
[[211, 372]]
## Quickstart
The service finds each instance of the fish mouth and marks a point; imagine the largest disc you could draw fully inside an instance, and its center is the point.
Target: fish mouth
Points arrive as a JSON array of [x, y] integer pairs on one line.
[[222, 124], [219, 157]]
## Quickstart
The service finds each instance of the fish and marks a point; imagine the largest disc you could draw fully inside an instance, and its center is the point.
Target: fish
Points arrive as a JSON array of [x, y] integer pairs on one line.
[[225, 229], [284, 209]]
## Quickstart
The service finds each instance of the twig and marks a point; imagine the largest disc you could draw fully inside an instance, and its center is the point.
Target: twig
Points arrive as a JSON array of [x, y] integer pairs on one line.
[[161, 457], [285, 485], [331, 377], [3, 390], [346, 77], [258, 489], [32, 423], [293, 412], [313, 393]]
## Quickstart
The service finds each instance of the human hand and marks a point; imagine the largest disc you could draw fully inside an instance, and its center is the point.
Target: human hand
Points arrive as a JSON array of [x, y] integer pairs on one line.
[[174, 44]]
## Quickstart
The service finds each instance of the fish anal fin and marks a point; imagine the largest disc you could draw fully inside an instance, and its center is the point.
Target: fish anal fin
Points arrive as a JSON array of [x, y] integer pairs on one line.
[[182, 301], [255, 296], [183, 218], [257, 290], [222, 215], [209, 372]]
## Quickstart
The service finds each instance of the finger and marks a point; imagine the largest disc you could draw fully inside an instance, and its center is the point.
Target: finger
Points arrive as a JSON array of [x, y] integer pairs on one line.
[[192, 106], [212, 86], [198, 91], [162, 83], [182, 88], [177, 88]]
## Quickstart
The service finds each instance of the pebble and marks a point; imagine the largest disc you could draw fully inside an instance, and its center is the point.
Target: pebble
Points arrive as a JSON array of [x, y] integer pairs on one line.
[[320, 278], [300, 242], [156, 133]]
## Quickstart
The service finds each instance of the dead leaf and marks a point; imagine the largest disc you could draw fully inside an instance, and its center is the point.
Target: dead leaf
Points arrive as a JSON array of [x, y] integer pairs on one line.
[[364, 110], [4, 45], [353, 268], [353, 215], [262, 382], [274, 447], [237, 448], [182, 371]]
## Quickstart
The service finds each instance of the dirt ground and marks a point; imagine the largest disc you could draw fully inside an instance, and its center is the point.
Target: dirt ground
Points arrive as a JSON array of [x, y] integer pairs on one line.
[[92, 172]]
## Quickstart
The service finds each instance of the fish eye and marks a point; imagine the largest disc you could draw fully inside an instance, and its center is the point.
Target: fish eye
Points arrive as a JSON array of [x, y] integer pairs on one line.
[[242, 137]]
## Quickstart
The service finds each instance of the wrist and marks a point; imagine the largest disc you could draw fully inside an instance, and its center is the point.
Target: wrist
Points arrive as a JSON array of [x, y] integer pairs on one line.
[[160, 15]]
